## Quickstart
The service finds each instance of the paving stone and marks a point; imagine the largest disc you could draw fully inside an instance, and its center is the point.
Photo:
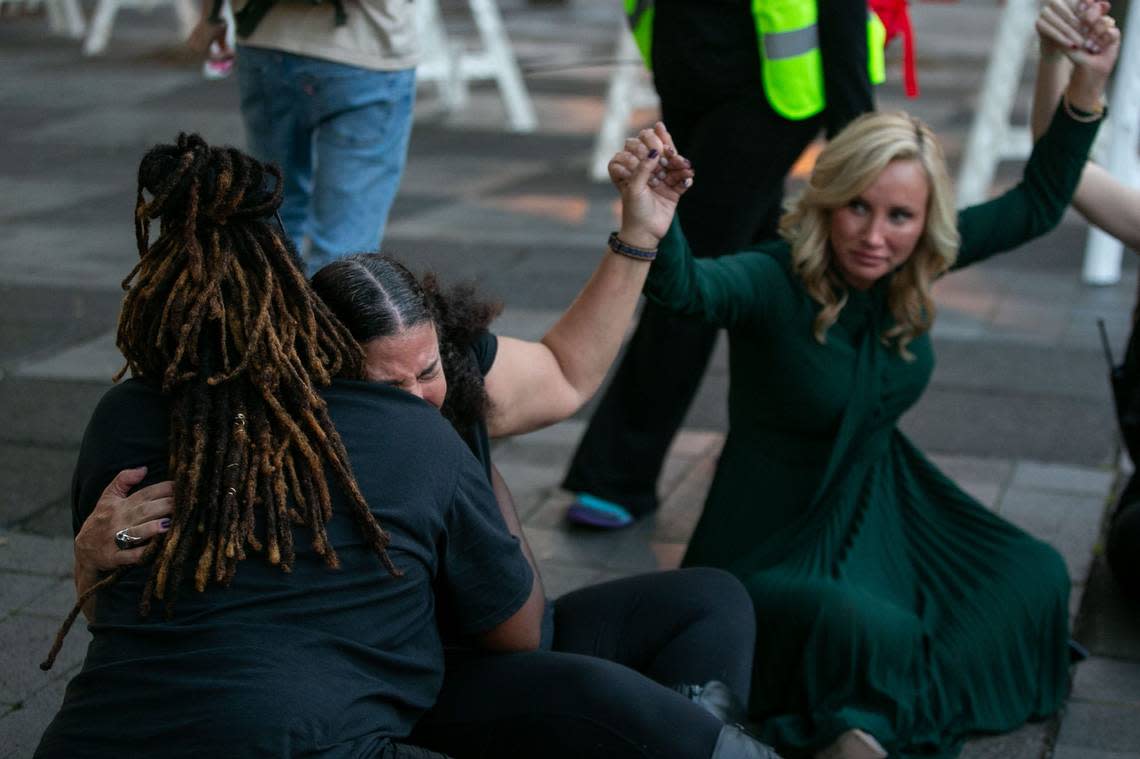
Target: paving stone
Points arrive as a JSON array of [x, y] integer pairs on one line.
[[1031, 320], [472, 175], [18, 590], [551, 513], [526, 323], [1101, 679], [564, 435], [1022, 368], [675, 520], [51, 521], [1012, 425], [529, 484], [129, 127], [1062, 478], [1070, 523], [696, 442], [94, 255], [38, 321], [990, 471], [34, 478], [1071, 752], [46, 413], [1023, 743], [31, 554], [24, 642], [1104, 727], [96, 360], [23, 727], [593, 549]]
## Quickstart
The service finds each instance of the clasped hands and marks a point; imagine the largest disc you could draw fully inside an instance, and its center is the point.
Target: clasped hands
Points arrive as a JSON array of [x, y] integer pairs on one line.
[[651, 176], [1082, 30]]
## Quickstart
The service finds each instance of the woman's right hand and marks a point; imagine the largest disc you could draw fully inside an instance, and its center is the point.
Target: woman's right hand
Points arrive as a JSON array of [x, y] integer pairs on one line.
[[143, 514], [651, 177]]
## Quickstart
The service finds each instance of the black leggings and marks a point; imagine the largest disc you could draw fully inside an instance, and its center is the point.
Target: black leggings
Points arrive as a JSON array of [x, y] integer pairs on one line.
[[603, 689]]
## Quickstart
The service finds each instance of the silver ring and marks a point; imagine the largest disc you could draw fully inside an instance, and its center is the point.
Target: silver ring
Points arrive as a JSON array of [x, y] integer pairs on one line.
[[126, 541]]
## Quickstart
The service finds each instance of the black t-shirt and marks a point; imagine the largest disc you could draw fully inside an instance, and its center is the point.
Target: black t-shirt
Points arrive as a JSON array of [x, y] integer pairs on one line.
[[317, 662]]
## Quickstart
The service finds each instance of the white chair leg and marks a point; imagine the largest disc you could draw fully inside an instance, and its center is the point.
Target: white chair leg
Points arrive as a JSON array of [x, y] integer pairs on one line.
[[626, 92], [99, 33], [516, 99]]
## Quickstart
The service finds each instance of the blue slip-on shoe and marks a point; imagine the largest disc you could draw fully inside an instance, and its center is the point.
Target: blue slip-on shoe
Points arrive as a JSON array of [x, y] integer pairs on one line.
[[591, 511]]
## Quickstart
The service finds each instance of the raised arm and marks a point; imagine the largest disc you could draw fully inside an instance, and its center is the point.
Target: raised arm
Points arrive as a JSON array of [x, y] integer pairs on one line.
[[1065, 32], [534, 384], [1054, 168]]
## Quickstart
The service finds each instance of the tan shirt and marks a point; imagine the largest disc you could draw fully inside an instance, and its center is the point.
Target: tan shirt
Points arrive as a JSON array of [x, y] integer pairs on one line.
[[379, 34]]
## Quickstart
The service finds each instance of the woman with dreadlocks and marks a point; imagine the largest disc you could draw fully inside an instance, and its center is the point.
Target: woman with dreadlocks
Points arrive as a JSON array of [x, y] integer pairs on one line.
[[289, 608]]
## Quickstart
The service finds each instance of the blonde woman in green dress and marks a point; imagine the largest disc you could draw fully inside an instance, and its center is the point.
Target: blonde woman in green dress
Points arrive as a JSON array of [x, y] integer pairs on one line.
[[895, 613]]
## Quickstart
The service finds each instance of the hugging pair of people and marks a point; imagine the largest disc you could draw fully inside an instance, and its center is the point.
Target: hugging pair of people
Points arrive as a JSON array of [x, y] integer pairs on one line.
[[298, 424]]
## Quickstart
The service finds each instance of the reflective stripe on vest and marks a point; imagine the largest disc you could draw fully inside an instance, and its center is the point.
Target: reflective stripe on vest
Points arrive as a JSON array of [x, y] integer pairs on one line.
[[790, 64], [639, 13], [876, 44]]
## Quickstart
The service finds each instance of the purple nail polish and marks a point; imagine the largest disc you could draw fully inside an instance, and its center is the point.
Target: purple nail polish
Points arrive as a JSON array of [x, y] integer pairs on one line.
[[164, 524], [653, 152]]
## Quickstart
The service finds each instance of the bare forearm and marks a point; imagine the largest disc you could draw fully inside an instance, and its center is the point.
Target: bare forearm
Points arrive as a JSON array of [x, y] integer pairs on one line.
[[586, 339], [1109, 205], [1053, 72]]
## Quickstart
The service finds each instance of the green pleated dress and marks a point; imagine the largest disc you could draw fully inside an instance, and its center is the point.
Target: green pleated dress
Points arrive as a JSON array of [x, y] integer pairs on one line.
[[886, 597]]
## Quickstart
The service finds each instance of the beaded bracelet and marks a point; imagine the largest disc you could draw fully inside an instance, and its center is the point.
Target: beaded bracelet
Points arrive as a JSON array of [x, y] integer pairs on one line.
[[1079, 114], [622, 249]]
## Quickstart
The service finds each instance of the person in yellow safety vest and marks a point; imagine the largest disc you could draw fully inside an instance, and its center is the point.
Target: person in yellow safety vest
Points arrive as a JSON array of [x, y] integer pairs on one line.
[[788, 40], [763, 77]]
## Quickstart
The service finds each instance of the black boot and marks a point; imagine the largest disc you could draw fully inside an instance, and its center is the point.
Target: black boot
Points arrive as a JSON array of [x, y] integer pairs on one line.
[[734, 743], [716, 698]]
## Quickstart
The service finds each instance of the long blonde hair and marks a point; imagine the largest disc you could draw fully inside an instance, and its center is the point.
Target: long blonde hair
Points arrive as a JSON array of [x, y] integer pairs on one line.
[[846, 167]]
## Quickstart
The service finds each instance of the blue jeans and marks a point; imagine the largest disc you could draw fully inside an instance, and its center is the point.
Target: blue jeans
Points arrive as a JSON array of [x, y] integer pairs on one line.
[[340, 135]]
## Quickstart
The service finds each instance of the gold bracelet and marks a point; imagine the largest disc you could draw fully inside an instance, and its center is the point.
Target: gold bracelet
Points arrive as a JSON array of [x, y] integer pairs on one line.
[[1080, 115]]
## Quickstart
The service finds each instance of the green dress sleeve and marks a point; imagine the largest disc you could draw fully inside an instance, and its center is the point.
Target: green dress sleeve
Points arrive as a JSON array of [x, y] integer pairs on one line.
[[1035, 205], [739, 290]]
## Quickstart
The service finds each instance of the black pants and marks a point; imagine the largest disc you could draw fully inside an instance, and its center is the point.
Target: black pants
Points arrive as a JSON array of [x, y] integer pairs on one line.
[[1123, 544], [602, 691]]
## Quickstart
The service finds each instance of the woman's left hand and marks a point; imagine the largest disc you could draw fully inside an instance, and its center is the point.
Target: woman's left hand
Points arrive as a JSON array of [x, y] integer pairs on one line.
[[143, 514]]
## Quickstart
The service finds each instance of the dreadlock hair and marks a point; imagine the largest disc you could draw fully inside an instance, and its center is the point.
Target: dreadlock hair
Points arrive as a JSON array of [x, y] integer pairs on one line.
[[218, 313], [376, 296]]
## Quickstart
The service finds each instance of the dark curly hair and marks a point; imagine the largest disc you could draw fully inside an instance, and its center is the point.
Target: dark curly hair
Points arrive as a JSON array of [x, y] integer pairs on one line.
[[375, 296]]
